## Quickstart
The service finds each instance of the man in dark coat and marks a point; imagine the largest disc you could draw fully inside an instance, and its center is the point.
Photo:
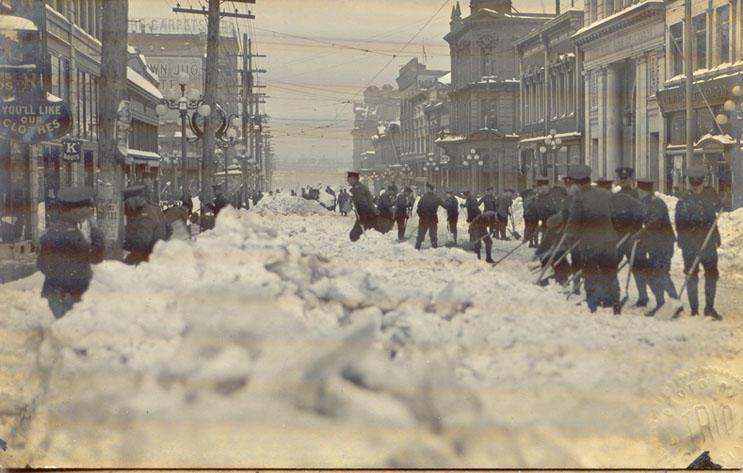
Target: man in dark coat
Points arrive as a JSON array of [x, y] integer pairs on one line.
[[488, 201], [220, 201], [548, 201], [531, 218], [343, 202], [657, 242], [68, 249], [627, 217], [479, 231], [451, 204], [144, 226], [403, 205], [696, 212], [503, 210], [385, 205], [472, 206], [590, 223], [366, 211], [428, 219]]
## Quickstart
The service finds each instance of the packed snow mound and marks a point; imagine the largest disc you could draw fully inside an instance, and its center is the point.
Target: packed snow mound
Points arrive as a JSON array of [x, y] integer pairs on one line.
[[731, 251], [286, 204], [241, 326]]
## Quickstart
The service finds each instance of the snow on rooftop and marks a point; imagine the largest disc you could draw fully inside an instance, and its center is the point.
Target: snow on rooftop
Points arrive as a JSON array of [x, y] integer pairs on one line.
[[445, 79], [610, 18], [139, 80]]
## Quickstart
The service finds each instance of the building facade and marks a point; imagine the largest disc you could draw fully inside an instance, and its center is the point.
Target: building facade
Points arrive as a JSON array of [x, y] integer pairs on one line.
[[623, 47], [414, 82], [485, 93], [32, 175], [551, 98], [380, 106], [717, 55], [174, 46]]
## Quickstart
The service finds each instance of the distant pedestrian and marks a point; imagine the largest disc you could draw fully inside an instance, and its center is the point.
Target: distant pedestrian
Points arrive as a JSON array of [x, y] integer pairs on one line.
[[531, 218], [473, 209], [451, 204], [366, 211], [144, 226], [403, 205], [503, 209], [428, 217], [344, 202], [696, 212], [68, 249], [479, 232]]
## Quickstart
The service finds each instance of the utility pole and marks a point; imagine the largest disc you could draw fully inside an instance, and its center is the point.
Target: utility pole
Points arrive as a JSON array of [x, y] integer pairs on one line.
[[248, 96], [689, 73], [210, 86], [114, 57]]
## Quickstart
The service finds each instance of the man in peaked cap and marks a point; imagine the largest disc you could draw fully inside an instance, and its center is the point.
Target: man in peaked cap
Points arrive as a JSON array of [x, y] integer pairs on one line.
[[657, 244], [68, 249], [363, 202], [625, 176], [451, 204], [589, 222], [428, 207], [604, 183], [696, 212]]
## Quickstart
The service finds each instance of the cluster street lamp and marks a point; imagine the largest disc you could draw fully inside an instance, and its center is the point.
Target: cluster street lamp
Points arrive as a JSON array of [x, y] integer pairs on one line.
[[183, 102], [734, 116], [226, 140], [473, 162], [554, 143]]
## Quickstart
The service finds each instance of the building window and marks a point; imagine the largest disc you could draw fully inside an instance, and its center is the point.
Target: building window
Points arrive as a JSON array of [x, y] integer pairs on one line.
[[700, 41], [723, 33], [677, 48]]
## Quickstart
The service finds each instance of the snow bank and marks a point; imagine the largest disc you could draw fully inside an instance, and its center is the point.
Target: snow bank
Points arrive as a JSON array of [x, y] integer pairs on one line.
[[731, 251], [286, 204]]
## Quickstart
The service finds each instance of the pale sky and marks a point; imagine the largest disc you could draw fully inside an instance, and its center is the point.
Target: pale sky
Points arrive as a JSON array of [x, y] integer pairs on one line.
[[313, 70]]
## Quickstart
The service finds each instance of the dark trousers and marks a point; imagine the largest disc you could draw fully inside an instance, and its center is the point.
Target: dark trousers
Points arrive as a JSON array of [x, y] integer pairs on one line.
[[639, 267], [659, 278], [476, 237], [500, 227], [452, 224], [429, 226], [401, 222], [360, 226], [709, 261], [531, 233], [600, 272]]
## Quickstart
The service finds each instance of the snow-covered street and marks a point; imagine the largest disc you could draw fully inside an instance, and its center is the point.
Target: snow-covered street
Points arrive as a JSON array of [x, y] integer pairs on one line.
[[273, 341]]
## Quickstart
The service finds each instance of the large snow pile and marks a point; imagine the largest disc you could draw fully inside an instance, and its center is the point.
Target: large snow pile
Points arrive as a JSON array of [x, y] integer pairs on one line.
[[731, 251], [286, 204]]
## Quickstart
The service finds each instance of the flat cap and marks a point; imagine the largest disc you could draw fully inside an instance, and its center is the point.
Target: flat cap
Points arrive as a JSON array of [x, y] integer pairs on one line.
[[353, 174], [133, 191], [696, 172], [75, 197], [580, 172], [625, 172]]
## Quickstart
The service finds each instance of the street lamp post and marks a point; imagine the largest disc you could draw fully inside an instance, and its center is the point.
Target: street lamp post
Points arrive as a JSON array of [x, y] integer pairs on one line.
[[553, 143], [444, 163], [734, 109], [473, 162], [184, 102]]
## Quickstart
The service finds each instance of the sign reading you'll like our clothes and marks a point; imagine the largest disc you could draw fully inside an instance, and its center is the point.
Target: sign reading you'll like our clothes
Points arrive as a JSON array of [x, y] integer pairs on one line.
[[35, 117]]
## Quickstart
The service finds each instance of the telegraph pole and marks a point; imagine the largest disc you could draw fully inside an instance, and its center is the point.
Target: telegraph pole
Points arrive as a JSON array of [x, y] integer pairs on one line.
[[114, 57], [689, 73]]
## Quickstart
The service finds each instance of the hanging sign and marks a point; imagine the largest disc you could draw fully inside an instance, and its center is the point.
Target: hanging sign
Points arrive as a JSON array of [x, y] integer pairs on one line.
[[34, 117], [71, 150]]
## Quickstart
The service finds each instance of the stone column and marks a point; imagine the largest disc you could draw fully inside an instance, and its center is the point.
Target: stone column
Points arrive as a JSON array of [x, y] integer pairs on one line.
[[601, 113], [641, 118], [613, 120]]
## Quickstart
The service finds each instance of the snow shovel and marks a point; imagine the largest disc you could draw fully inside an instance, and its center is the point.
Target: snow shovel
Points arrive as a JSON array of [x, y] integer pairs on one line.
[[564, 255], [629, 274], [509, 253], [677, 312], [516, 235], [552, 257]]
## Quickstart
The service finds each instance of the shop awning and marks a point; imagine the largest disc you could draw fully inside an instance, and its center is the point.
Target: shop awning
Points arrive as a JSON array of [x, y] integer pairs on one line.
[[136, 156]]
